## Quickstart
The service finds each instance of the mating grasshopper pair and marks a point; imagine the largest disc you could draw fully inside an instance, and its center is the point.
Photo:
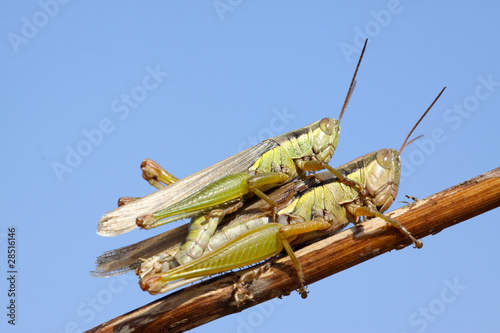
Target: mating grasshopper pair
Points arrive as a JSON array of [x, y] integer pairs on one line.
[[292, 214]]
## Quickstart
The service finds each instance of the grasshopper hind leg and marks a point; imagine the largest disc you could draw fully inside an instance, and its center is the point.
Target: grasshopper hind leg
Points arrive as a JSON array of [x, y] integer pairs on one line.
[[285, 235], [220, 192], [249, 248]]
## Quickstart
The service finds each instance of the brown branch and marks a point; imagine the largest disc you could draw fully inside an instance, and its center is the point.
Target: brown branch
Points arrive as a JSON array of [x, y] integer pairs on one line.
[[212, 299]]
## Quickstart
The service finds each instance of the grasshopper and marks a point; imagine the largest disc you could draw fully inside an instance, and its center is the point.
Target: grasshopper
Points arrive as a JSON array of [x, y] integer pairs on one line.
[[308, 208], [222, 187]]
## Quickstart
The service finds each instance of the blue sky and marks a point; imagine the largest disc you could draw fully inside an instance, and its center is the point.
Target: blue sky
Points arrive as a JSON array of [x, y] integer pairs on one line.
[[91, 89]]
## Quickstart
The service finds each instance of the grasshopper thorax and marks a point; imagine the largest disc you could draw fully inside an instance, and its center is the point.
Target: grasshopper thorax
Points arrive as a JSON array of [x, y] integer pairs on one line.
[[383, 173]]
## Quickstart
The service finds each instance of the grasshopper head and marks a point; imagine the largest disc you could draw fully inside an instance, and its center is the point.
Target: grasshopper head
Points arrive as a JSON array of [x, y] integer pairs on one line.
[[384, 170], [382, 177], [325, 137]]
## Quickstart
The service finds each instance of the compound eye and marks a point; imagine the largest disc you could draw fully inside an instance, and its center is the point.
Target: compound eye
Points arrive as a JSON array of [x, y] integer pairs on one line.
[[384, 158], [328, 125]]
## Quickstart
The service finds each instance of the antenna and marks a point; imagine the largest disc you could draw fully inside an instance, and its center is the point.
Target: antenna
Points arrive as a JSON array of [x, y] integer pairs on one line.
[[405, 144], [353, 82]]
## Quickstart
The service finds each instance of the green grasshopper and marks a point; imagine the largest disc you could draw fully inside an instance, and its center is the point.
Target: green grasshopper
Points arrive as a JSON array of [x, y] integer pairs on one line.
[[221, 188], [308, 208]]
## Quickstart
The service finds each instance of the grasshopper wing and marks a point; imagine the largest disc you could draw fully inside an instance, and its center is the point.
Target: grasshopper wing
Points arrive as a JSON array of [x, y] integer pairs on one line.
[[123, 219]]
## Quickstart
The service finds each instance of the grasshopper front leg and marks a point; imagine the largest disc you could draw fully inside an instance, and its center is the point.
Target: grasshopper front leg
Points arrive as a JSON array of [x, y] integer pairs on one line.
[[249, 248]]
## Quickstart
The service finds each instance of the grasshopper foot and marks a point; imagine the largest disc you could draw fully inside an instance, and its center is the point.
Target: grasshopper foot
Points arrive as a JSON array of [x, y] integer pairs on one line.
[[303, 292], [418, 244]]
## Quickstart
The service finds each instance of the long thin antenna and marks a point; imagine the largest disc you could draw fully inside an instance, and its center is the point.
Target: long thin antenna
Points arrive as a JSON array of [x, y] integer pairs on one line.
[[353, 82], [418, 122]]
